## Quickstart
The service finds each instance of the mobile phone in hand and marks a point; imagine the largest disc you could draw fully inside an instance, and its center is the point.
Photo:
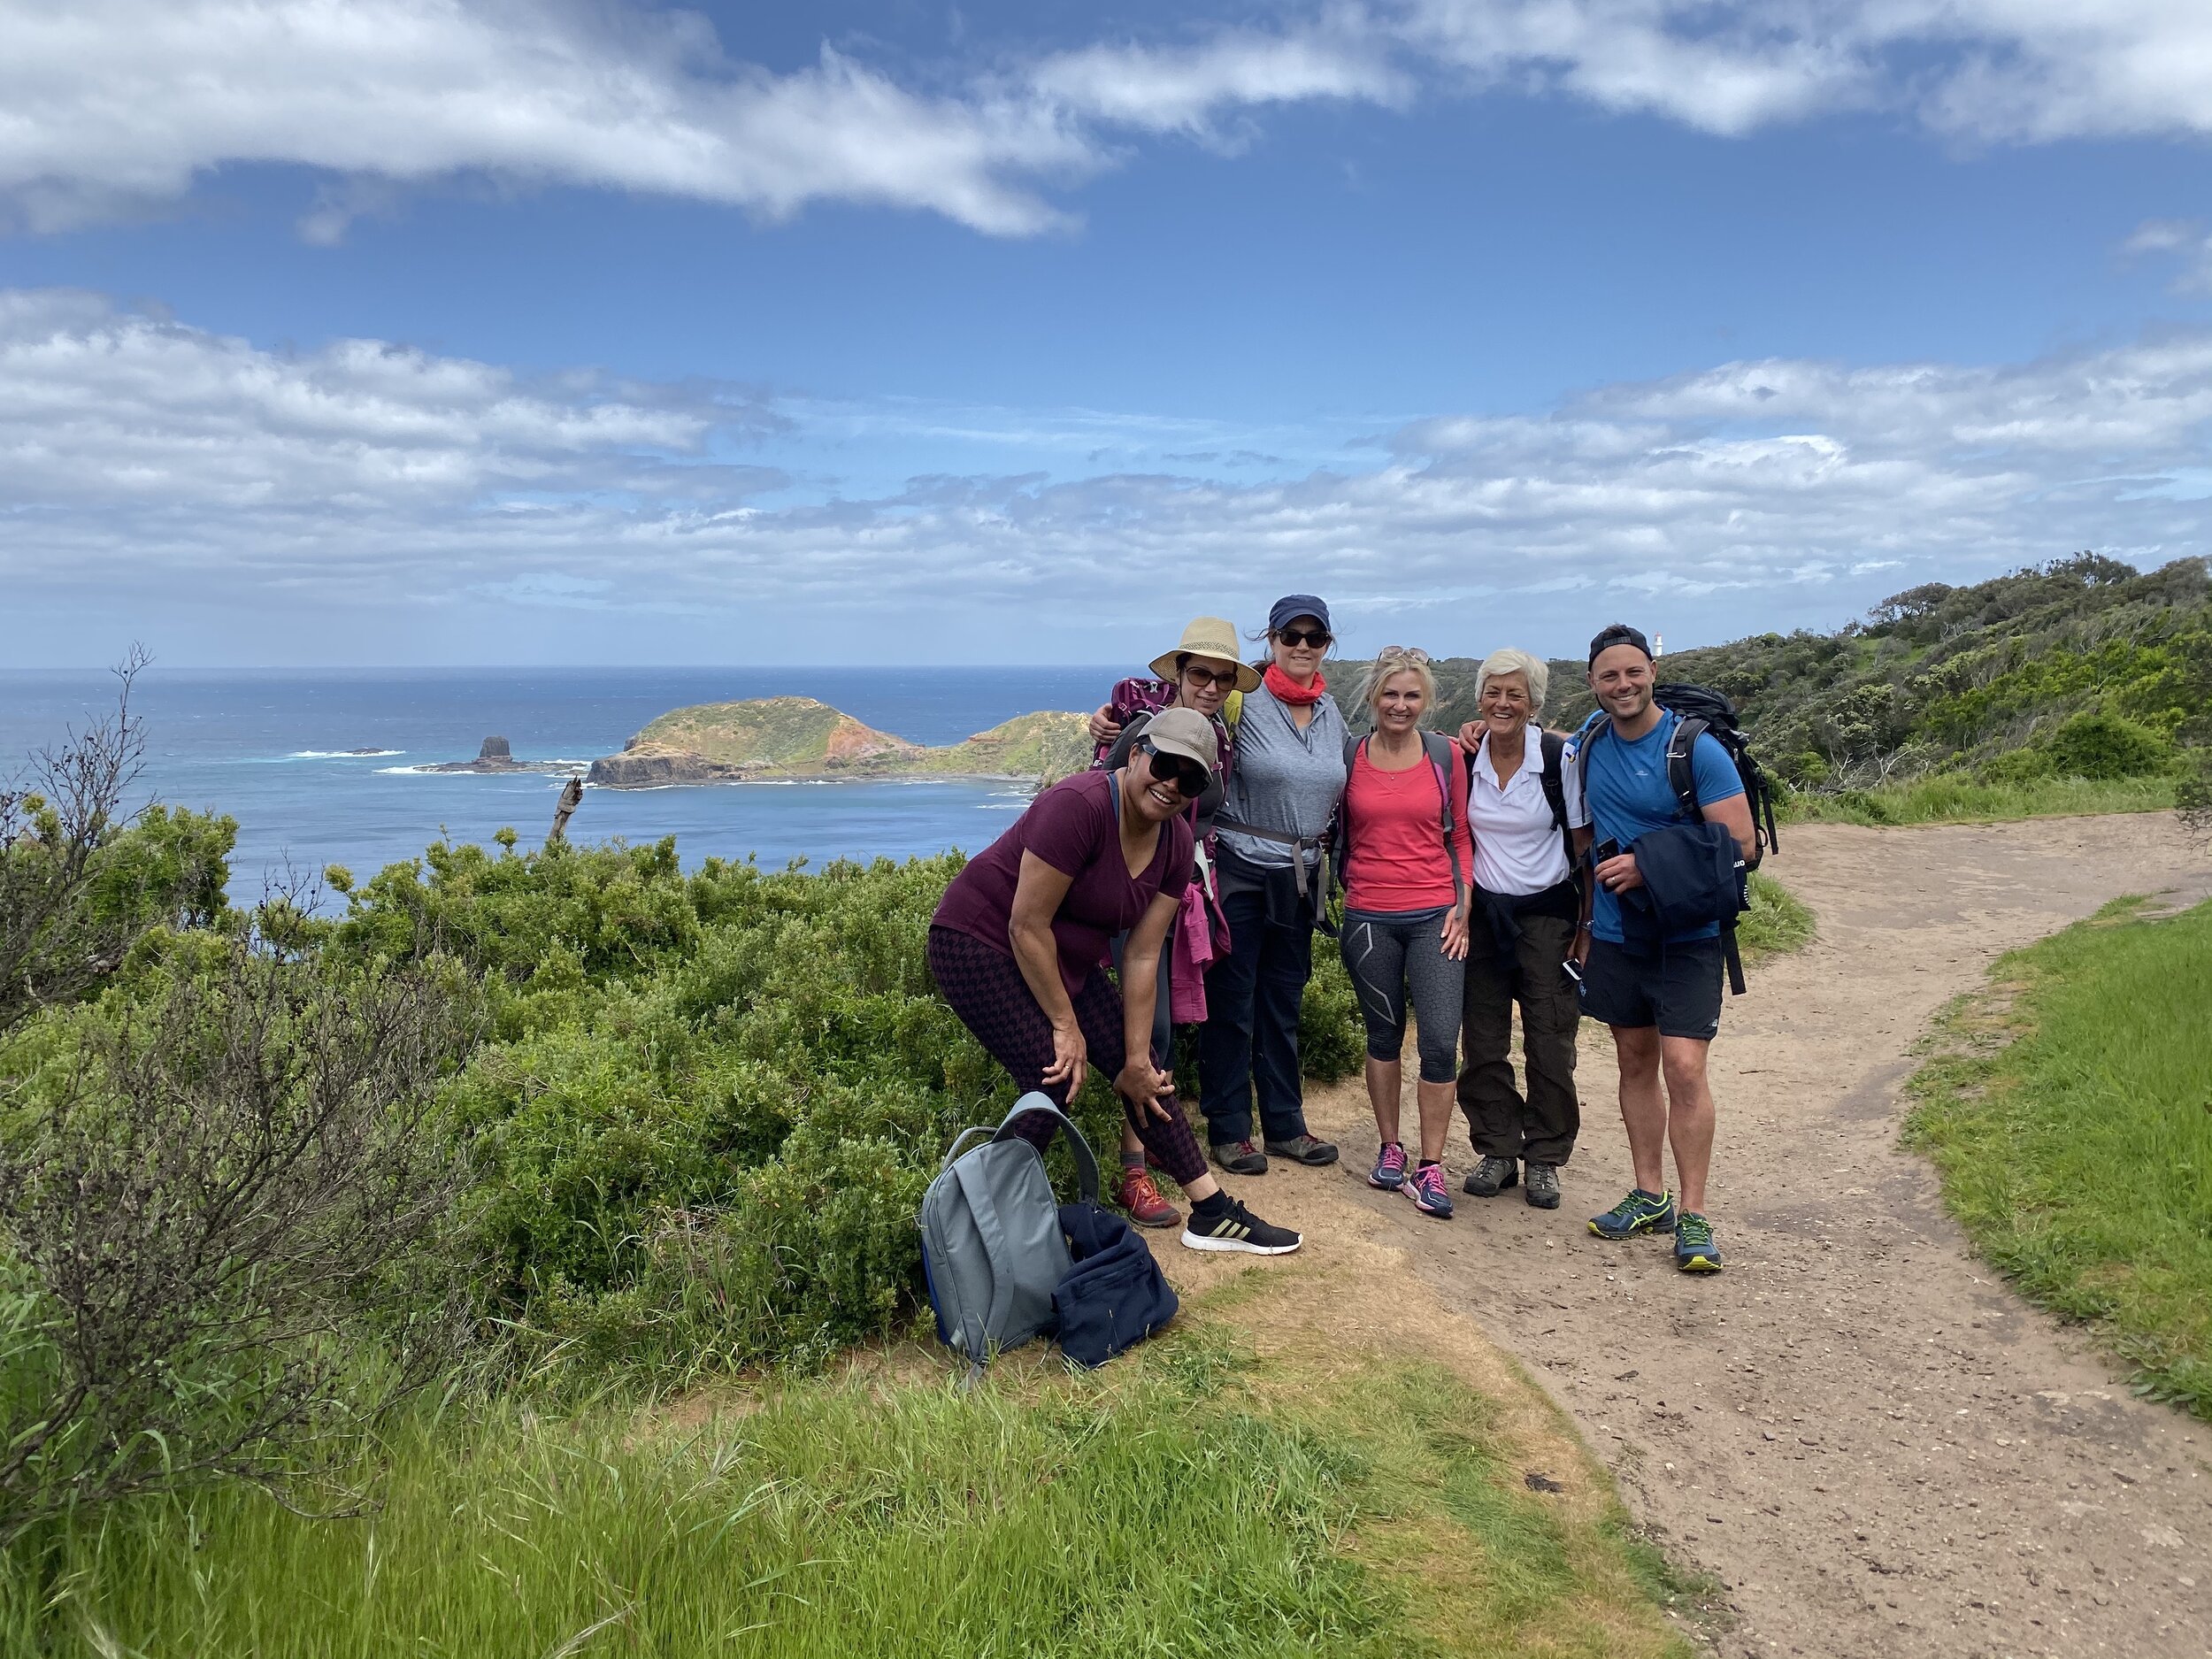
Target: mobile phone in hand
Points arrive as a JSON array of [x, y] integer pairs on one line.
[[1605, 850], [1570, 970]]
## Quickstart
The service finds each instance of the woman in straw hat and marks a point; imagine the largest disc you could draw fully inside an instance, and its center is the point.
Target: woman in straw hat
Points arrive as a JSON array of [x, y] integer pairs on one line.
[[1286, 773], [1202, 673]]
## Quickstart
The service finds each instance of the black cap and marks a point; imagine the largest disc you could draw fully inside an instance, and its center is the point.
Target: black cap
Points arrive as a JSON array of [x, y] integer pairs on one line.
[[1619, 634]]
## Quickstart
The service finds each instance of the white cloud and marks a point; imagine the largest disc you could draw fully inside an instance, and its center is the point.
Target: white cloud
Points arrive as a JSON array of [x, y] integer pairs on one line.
[[111, 102], [149, 457], [117, 106], [2185, 238], [2003, 70], [1183, 89]]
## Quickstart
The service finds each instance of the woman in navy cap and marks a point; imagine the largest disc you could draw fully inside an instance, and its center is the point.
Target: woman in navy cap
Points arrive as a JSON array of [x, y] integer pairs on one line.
[[1281, 794]]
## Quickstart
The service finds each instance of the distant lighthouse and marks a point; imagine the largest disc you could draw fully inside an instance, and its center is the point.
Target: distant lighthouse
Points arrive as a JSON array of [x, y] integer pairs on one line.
[[1658, 645]]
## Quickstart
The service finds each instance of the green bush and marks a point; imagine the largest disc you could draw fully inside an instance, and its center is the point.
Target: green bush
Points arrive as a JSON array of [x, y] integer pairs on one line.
[[2099, 746], [711, 1103]]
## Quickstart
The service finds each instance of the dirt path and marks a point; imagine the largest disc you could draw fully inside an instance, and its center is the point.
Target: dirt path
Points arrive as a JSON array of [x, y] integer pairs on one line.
[[1877, 1448]]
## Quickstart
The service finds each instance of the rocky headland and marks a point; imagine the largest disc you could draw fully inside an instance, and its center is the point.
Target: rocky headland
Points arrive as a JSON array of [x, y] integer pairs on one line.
[[777, 739]]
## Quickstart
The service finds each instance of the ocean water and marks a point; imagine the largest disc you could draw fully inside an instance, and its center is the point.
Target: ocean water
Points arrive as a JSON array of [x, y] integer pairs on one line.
[[268, 746]]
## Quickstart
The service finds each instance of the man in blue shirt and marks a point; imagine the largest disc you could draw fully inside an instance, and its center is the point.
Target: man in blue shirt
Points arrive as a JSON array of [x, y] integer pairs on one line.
[[1663, 1005]]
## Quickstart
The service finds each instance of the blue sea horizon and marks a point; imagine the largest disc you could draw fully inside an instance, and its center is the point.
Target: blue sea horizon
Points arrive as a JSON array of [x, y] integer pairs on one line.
[[273, 747]]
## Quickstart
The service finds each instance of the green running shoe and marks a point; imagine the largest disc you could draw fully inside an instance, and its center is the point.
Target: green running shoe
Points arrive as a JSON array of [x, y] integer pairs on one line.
[[1695, 1251], [1640, 1212]]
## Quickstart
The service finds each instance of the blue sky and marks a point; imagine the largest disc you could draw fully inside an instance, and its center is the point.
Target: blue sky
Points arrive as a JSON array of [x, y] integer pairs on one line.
[[412, 331]]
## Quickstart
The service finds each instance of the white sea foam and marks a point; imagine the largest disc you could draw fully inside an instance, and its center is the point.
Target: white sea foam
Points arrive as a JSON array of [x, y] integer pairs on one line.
[[343, 754]]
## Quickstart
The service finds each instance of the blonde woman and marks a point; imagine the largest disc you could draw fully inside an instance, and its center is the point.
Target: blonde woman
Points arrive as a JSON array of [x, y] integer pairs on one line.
[[1521, 797], [1406, 852]]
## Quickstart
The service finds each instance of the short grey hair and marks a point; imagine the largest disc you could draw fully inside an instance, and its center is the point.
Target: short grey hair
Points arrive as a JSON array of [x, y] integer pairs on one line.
[[1509, 660], [1388, 665]]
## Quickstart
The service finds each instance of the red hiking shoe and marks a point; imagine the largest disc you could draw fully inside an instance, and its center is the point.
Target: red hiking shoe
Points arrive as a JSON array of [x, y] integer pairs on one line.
[[1135, 1193]]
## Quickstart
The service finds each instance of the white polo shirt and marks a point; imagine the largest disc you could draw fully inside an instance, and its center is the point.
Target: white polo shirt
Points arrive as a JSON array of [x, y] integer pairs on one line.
[[1518, 849]]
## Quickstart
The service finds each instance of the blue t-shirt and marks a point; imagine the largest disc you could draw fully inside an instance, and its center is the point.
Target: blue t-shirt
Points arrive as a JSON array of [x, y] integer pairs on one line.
[[1629, 796]]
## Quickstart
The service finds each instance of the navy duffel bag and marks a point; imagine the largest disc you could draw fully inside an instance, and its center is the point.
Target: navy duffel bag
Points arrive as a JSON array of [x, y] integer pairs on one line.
[[1115, 1294]]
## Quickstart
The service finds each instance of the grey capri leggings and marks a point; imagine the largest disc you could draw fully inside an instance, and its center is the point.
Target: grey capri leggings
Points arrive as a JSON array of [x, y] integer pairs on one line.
[[1390, 953]]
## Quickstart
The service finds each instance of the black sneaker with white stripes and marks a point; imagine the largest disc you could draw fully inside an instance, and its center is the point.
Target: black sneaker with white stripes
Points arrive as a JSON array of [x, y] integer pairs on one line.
[[1237, 1228]]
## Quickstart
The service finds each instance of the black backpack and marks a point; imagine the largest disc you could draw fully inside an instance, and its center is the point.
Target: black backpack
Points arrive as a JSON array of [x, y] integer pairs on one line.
[[1702, 712], [1706, 711]]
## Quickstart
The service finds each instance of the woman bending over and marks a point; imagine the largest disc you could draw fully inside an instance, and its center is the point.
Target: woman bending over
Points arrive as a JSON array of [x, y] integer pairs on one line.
[[1017, 939]]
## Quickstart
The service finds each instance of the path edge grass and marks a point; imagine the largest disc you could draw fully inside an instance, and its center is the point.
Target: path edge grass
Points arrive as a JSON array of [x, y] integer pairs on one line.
[[1988, 1068]]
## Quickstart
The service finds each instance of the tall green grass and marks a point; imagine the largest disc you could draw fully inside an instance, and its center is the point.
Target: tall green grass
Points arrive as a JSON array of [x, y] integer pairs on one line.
[[1950, 798], [2072, 1128], [1777, 923], [1165, 1506]]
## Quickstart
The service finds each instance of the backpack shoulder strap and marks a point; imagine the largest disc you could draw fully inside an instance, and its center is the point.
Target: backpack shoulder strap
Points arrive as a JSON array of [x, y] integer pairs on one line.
[[983, 1210], [1438, 748], [1553, 747], [1681, 769]]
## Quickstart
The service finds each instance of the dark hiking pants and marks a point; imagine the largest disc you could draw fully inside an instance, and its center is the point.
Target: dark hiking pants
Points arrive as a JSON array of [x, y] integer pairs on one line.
[[1250, 1042], [1501, 1122]]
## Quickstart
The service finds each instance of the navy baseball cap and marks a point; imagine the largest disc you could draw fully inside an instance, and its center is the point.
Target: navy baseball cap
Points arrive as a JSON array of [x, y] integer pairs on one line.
[[1290, 607]]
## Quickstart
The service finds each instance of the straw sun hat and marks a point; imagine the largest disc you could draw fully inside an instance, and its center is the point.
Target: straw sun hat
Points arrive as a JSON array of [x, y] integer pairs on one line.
[[1209, 636]]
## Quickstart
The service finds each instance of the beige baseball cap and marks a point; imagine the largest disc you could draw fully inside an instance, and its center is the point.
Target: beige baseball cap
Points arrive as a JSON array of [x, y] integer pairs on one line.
[[1183, 732], [1209, 636]]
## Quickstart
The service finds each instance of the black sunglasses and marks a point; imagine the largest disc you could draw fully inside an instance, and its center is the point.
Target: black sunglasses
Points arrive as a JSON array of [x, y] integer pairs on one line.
[[1303, 637], [1179, 770]]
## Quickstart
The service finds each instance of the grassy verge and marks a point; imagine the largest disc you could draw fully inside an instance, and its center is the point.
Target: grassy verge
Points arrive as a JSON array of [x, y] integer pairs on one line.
[[1191, 1499], [2071, 1122], [1954, 800], [1777, 923]]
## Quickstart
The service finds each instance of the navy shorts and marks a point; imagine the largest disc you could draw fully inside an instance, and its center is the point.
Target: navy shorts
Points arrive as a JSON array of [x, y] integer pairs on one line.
[[1676, 990]]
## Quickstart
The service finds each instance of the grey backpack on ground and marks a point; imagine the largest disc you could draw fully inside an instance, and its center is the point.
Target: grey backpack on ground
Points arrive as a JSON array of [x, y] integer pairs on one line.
[[992, 1247]]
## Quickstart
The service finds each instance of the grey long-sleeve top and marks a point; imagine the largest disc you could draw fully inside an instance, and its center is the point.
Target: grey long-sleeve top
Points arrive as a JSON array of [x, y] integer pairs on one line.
[[1285, 780]]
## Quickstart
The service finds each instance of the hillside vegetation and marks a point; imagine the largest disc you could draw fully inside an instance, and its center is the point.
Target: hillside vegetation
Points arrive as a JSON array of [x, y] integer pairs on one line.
[[2083, 683], [769, 738]]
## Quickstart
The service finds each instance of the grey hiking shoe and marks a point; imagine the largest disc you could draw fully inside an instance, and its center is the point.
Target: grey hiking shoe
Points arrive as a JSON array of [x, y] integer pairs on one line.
[[1540, 1185], [1491, 1177], [1303, 1148], [1240, 1157]]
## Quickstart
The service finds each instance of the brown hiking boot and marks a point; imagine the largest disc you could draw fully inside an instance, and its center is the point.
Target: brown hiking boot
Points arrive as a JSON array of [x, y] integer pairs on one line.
[[1135, 1193]]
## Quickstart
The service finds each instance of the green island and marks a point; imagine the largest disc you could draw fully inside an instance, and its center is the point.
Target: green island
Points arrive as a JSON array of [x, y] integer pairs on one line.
[[777, 739]]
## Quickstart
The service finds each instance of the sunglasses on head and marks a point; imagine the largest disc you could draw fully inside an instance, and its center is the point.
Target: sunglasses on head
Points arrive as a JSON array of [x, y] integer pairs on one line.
[[1222, 679], [1185, 774], [1404, 653], [1303, 637]]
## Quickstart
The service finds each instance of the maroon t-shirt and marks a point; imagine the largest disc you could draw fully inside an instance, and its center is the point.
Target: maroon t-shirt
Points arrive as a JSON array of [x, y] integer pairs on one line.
[[1072, 827]]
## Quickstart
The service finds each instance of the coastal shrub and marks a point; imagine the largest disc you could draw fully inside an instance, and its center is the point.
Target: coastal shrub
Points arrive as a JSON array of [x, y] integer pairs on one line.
[[80, 880], [214, 1187], [2101, 745], [709, 1103]]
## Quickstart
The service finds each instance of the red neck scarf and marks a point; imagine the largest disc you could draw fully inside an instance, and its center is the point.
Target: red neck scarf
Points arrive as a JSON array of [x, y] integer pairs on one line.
[[1287, 690]]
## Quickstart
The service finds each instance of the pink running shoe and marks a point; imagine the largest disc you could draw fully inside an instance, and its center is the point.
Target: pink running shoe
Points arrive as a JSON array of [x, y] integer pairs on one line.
[[1389, 1172], [1427, 1188]]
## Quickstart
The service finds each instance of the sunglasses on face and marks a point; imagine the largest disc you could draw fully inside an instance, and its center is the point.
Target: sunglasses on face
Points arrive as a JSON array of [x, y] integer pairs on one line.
[[1186, 774], [1303, 636], [1219, 679]]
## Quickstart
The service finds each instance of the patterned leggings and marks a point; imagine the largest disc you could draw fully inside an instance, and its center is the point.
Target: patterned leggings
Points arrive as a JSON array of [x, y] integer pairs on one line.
[[986, 988]]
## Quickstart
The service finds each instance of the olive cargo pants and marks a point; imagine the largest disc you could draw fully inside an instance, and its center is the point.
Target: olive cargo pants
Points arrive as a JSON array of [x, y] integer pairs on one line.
[[1501, 1122]]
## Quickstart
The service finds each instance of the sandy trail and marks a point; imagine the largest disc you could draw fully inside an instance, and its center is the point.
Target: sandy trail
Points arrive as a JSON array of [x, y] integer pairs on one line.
[[1877, 1447]]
